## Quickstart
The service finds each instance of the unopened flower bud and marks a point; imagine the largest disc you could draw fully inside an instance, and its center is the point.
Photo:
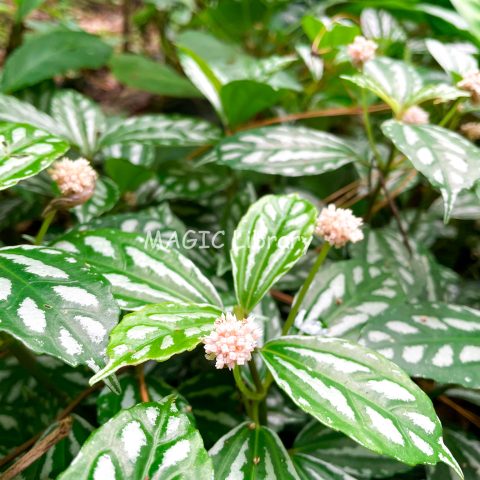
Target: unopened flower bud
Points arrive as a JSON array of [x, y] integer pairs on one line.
[[471, 83], [471, 130], [415, 116]]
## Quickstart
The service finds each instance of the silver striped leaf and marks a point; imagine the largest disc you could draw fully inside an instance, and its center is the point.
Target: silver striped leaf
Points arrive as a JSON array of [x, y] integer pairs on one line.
[[466, 448], [285, 150], [344, 296], [110, 403], [381, 25], [104, 198], [150, 440], [137, 153], [399, 85], [253, 452], [452, 58], [270, 238], [312, 468], [81, 119], [384, 248], [26, 151], [55, 304], [450, 162], [215, 403], [157, 332], [430, 340], [161, 130], [139, 272], [59, 456], [17, 111], [359, 392], [333, 449]]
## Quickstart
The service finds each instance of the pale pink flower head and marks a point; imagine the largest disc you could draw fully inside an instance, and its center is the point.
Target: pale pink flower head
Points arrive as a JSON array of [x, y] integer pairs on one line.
[[76, 179], [471, 130], [471, 83], [338, 226], [232, 341], [415, 116], [361, 50]]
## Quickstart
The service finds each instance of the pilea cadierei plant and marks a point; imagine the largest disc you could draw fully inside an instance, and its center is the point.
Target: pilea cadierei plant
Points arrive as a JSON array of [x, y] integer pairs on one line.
[[279, 283]]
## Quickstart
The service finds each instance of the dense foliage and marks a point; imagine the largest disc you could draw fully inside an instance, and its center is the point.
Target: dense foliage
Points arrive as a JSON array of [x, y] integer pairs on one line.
[[239, 239]]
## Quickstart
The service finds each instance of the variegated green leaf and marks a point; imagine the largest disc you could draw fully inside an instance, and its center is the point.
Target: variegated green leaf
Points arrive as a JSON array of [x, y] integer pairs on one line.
[[151, 440], [399, 85], [285, 150], [215, 403], [273, 234], [450, 162], [140, 273], [81, 119], [157, 332], [362, 394], [17, 111], [309, 467], [56, 304], [110, 403], [104, 198], [61, 454], [320, 450], [136, 153], [430, 340], [381, 25], [253, 452], [452, 58], [466, 447], [26, 151], [344, 296], [163, 130]]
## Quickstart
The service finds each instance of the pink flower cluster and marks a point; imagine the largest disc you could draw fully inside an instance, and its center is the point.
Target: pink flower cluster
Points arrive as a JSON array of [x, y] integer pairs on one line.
[[232, 341], [471, 83], [361, 50], [415, 116], [338, 226], [74, 177]]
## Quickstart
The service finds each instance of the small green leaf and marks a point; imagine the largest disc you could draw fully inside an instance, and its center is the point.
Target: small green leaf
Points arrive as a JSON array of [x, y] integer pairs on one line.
[[26, 151], [56, 304], [104, 198], [450, 162], [317, 442], [470, 11], [151, 440], [344, 296], [142, 73], [162, 130], [140, 272], [252, 452], [430, 340], [285, 150], [242, 99], [157, 332], [53, 53], [362, 394], [81, 119], [274, 233]]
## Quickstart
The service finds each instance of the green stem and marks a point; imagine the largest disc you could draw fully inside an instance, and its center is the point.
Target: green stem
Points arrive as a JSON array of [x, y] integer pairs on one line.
[[243, 388], [262, 404], [368, 129], [303, 291], [450, 114], [44, 227], [298, 302]]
